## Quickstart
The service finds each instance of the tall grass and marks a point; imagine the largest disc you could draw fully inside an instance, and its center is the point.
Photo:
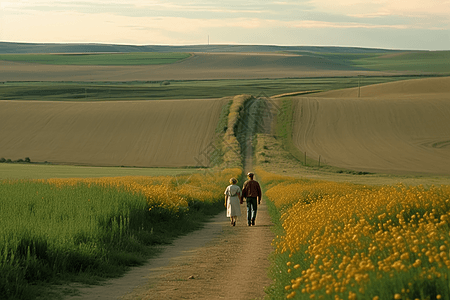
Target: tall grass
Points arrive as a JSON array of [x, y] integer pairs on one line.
[[85, 229], [231, 148]]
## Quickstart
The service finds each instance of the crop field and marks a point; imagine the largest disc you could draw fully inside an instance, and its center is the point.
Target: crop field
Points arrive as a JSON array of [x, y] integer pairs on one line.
[[347, 241], [399, 128], [200, 66], [154, 66], [66, 220], [169, 133], [437, 61], [191, 89], [56, 229], [421, 61], [97, 59]]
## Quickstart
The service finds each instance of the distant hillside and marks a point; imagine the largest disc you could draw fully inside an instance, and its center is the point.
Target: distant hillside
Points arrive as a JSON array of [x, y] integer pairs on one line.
[[7, 47], [399, 127]]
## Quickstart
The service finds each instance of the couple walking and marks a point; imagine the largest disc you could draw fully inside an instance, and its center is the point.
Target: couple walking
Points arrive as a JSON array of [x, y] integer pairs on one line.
[[251, 191]]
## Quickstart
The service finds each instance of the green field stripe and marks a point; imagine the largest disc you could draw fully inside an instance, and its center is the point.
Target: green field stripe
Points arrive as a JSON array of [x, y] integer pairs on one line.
[[97, 59]]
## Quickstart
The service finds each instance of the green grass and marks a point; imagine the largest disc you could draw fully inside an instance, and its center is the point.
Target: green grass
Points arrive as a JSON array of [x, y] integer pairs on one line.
[[43, 171], [49, 234], [437, 62], [98, 59], [53, 234], [433, 62], [201, 89]]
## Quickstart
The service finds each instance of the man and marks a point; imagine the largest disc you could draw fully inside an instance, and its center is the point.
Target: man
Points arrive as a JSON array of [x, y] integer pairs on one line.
[[252, 192]]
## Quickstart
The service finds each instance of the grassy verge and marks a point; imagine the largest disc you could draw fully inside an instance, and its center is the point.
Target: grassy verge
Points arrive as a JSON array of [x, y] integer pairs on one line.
[[109, 91], [231, 147], [85, 230]]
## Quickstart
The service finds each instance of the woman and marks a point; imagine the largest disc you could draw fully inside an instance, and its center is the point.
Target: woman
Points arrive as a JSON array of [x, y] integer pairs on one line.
[[232, 201]]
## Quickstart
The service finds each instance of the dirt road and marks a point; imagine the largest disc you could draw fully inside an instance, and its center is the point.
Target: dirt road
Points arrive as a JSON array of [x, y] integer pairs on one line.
[[216, 262]]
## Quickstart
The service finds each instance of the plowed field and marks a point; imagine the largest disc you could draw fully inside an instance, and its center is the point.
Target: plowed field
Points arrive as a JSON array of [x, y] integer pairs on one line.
[[400, 128], [169, 133]]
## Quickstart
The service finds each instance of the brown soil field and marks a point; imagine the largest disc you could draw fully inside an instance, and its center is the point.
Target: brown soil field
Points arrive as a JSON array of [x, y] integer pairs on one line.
[[398, 128], [406, 88], [200, 66], [169, 133]]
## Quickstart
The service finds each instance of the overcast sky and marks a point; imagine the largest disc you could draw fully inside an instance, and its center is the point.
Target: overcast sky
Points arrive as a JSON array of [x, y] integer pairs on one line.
[[392, 24]]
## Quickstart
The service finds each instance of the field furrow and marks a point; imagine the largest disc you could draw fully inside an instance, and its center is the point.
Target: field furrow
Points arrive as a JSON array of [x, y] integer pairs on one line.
[[170, 133], [390, 130]]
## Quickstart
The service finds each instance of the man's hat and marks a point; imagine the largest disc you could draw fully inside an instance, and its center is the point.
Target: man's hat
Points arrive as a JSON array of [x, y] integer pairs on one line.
[[250, 174]]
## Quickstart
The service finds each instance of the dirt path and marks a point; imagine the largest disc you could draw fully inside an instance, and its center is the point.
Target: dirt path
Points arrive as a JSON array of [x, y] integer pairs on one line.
[[232, 265], [217, 262]]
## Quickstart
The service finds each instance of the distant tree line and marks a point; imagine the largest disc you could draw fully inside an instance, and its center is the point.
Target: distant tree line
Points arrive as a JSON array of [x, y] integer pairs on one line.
[[20, 160]]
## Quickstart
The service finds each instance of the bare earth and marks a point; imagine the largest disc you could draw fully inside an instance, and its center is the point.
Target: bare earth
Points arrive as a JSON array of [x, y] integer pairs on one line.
[[216, 262], [200, 66], [396, 128], [169, 133]]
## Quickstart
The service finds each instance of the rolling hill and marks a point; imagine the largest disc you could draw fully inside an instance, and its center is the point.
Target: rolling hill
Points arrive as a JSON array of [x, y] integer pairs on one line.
[[401, 127], [169, 133], [10, 47], [200, 66]]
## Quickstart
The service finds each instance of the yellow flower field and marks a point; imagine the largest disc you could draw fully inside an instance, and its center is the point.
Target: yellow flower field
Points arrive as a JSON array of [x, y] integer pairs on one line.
[[346, 241], [94, 226], [170, 192]]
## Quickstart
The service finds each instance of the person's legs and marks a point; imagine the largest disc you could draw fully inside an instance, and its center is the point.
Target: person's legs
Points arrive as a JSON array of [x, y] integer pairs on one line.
[[249, 212], [254, 210]]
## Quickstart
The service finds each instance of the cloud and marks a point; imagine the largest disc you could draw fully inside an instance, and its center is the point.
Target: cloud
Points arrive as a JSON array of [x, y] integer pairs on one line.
[[135, 6], [69, 26], [190, 21], [379, 8], [321, 24]]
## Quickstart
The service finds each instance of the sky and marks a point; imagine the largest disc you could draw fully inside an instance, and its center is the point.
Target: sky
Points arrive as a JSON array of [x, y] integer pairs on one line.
[[389, 24]]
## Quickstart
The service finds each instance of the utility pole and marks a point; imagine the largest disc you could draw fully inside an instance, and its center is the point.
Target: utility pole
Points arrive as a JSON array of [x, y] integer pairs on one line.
[[359, 86]]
